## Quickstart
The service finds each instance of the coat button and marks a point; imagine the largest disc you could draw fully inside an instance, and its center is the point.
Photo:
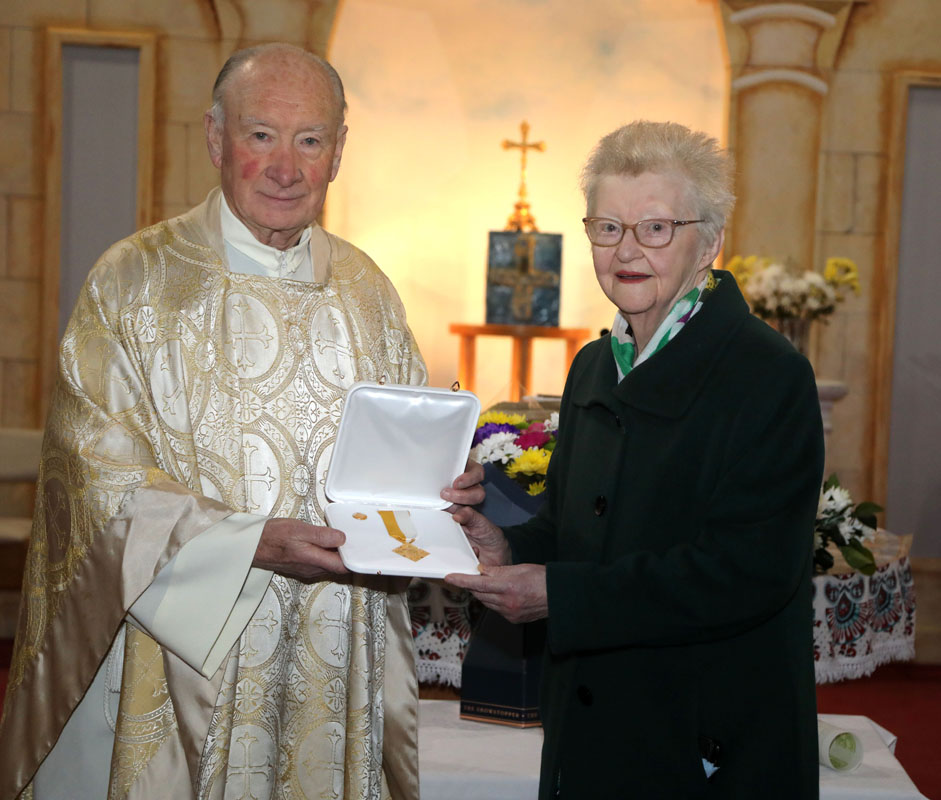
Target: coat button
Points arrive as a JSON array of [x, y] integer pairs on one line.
[[585, 695], [600, 505]]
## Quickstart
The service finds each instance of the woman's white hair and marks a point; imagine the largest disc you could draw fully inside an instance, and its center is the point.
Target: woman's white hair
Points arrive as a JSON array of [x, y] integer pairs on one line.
[[644, 146]]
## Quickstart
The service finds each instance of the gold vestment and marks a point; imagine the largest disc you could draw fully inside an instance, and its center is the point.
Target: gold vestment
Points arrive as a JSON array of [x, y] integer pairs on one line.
[[186, 392]]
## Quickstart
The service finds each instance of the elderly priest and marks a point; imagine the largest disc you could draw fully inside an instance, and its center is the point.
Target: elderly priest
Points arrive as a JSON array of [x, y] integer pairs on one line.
[[188, 628]]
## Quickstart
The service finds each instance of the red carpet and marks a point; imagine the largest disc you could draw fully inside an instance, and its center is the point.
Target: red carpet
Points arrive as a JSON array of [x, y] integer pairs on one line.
[[903, 698]]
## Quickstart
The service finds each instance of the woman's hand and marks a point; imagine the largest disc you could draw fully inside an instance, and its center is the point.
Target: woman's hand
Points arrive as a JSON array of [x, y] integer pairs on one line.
[[487, 539], [466, 489], [517, 592]]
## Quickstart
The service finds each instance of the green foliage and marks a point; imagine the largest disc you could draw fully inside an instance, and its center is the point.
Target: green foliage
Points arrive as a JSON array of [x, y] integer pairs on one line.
[[844, 525]]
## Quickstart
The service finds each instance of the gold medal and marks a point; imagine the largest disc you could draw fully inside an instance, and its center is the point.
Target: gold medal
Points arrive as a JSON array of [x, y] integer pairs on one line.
[[392, 520]]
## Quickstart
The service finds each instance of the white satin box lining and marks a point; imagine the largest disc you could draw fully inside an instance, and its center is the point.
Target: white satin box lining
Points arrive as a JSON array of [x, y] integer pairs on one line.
[[397, 447]]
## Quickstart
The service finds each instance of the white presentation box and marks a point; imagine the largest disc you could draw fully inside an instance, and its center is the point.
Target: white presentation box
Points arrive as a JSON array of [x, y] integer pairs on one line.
[[396, 449]]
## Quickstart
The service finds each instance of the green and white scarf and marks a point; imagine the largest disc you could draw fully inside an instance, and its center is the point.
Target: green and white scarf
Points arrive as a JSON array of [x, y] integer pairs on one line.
[[624, 345]]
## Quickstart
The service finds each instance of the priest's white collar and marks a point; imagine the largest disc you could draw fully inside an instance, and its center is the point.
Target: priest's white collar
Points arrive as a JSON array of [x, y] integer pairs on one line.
[[247, 255]]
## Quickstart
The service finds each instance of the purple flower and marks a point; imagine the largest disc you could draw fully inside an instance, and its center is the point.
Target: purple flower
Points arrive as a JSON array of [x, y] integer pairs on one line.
[[491, 428]]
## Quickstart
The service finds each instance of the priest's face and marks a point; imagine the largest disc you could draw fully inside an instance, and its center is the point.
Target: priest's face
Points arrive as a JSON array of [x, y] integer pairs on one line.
[[279, 145]]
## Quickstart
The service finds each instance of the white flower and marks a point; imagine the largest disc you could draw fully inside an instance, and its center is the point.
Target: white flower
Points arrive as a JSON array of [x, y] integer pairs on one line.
[[775, 292], [814, 279], [838, 525], [834, 500], [552, 424], [865, 533], [498, 446], [849, 527]]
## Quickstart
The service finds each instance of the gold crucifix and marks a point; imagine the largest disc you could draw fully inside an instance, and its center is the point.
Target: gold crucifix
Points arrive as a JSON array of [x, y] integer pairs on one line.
[[521, 219]]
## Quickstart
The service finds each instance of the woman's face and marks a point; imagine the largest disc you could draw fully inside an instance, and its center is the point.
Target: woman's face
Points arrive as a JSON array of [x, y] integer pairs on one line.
[[645, 282]]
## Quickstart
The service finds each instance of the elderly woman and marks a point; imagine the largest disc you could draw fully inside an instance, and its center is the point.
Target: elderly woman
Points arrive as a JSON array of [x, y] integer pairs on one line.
[[672, 556]]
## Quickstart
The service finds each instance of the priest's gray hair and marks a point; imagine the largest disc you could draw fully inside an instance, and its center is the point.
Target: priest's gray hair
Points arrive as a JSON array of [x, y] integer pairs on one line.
[[644, 146], [241, 57]]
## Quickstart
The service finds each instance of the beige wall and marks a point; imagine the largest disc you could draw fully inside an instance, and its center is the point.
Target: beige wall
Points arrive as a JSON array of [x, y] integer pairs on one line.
[[855, 214], [424, 176], [847, 156]]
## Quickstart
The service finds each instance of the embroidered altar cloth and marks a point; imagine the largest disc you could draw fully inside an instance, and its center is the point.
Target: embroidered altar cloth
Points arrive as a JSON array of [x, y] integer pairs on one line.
[[861, 622]]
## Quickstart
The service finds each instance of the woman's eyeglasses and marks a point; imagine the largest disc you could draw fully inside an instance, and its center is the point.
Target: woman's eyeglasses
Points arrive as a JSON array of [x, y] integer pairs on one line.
[[648, 232]]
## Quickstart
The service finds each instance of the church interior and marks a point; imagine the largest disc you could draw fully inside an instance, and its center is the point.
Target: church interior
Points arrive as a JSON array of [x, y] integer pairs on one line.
[[831, 109]]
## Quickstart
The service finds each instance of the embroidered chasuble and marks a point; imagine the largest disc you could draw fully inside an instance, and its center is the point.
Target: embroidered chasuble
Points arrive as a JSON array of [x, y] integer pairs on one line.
[[190, 401]]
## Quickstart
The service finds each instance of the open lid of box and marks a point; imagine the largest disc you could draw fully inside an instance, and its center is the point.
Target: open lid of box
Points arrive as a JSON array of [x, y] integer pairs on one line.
[[401, 445]]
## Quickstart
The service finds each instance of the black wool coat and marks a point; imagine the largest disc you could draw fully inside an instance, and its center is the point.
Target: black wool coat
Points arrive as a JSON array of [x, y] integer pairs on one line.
[[677, 535]]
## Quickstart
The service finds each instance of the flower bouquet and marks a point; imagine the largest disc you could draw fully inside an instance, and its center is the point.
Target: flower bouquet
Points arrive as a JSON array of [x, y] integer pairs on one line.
[[845, 525], [519, 447], [789, 301]]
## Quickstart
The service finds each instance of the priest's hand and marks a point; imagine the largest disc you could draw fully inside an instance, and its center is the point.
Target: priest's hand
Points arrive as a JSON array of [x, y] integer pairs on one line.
[[299, 550], [517, 592], [466, 489], [487, 539]]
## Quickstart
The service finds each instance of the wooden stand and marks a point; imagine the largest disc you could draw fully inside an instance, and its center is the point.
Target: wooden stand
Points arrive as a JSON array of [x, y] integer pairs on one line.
[[522, 335]]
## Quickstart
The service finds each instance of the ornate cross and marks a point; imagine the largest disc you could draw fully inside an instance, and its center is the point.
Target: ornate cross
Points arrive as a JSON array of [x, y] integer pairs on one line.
[[100, 369], [325, 623], [335, 765], [169, 399], [247, 769], [268, 622], [521, 219], [241, 336], [250, 478]]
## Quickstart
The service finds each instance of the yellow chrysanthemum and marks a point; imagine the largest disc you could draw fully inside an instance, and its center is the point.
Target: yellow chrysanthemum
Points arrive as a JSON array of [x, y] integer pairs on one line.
[[534, 461], [842, 272], [743, 268], [735, 266], [501, 418], [536, 487]]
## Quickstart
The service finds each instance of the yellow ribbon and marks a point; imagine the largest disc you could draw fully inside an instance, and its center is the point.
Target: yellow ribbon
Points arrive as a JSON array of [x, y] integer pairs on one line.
[[406, 549]]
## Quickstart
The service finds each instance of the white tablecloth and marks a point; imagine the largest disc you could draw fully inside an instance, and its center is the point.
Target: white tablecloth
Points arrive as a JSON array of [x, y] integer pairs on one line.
[[462, 760], [879, 776]]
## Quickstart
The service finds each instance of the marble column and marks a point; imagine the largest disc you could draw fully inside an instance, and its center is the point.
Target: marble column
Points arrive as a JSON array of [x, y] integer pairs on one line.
[[781, 56], [829, 392]]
